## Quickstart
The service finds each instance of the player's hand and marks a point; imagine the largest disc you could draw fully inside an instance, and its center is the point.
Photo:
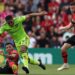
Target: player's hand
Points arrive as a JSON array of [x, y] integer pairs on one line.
[[60, 28]]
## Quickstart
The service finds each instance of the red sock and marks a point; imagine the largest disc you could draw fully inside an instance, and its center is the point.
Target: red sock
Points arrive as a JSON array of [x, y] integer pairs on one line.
[[64, 55]]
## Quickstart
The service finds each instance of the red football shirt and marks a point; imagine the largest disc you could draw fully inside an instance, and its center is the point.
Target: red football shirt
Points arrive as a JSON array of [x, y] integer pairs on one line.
[[73, 16], [15, 59]]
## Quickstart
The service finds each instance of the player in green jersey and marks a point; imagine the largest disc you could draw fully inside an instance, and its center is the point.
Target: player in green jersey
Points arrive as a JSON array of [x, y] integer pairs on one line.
[[14, 27]]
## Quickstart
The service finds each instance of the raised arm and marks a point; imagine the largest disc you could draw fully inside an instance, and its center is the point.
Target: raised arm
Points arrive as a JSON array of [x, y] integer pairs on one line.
[[36, 14], [66, 27], [24, 17], [9, 56]]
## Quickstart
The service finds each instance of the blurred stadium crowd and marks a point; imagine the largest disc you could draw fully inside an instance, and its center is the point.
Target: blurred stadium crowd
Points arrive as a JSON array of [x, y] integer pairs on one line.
[[43, 31]]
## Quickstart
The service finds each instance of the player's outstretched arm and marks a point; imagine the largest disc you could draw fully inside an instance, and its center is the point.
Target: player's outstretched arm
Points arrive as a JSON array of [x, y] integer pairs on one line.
[[9, 56], [66, 27], [2, 29], [36, 14]]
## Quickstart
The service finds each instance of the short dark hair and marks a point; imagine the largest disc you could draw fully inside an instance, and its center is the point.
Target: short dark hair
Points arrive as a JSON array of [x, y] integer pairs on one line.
[[9, 44], [8, 17]]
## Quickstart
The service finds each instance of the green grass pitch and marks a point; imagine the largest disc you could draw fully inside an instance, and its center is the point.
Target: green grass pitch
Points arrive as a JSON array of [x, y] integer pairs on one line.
[[50, 70]]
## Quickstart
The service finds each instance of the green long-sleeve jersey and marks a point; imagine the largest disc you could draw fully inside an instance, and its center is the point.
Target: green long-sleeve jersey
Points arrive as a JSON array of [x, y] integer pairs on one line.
[[17, 31]]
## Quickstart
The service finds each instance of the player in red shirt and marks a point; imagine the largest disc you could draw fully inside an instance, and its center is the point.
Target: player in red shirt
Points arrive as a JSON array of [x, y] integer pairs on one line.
[[71, 41], [11, 60]]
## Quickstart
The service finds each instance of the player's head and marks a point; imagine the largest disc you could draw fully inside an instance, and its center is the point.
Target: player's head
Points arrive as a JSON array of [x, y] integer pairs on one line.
[[9, 47], [9, 20], [72, 7]]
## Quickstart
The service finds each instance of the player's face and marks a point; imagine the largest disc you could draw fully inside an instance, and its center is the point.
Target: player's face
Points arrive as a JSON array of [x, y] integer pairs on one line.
[[9, 48], [72, 8], [10, 22]]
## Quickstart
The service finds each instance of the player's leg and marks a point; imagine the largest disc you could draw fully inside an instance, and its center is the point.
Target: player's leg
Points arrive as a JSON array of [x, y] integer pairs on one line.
[[37, 62], [64, 56], [27, 59], [32, 61], [24, 56], [2, 71], [14, 67], [22, 48], [6, 70], [69, 43], [23, 53]]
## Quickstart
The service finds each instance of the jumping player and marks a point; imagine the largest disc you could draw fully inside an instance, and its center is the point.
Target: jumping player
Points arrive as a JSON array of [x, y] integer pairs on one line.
[[70, 42], [14, 27]]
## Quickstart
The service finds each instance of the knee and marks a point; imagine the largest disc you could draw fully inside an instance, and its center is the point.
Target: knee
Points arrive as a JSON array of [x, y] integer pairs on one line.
[[64, 53], [63, 49], [23, 48], [14, 67]]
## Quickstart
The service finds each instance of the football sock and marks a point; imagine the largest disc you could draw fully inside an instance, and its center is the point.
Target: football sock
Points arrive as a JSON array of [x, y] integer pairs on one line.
[[64, 55], [25, 59]]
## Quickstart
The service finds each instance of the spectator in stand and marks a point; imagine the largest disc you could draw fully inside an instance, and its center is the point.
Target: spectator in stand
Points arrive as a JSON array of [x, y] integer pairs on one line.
[[37, 22], [32, 40], [42, 4], [38, 25], [42, 41], [23, 1], [42, 30], [6, 11], [2, 37], [19, 5], [34, 31], [53, 8], [31, 7], [50, 33], [1, 6], [54, 43], [1, 20], [64, 16], [59, 21], [36, 1], [19, 13], [54, 4], [46, 23], [8, 39]]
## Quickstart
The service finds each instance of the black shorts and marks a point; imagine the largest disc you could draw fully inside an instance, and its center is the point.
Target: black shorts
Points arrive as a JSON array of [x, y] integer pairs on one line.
[[6, 70], [71, 40]]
